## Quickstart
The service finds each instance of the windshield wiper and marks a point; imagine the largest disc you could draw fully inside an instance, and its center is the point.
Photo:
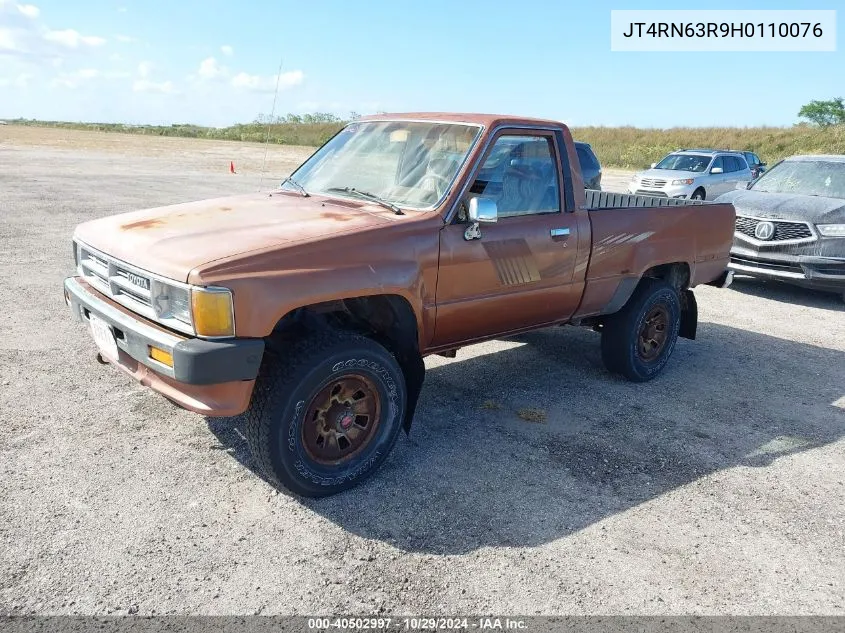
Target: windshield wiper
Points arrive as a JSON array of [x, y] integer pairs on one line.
[[369, 196], [297, 186]]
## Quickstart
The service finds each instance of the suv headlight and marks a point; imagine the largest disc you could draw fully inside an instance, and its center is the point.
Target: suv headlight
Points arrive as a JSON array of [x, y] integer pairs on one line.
[[831, 230], [683, 181], [208, 310]]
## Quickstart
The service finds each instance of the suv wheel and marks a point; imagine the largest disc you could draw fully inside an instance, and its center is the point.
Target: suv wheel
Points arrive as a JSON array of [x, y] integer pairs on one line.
[[326, 413], [698, 194]]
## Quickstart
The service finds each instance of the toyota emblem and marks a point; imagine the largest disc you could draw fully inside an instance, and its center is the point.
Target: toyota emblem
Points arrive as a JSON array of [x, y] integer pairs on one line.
[[764, 231]]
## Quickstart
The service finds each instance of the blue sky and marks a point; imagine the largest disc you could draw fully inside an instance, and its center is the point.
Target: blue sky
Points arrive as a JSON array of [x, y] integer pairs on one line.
[[214, 62]]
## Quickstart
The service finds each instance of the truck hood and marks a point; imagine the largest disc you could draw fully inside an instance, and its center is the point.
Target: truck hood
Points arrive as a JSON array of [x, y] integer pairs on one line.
[[173, 240], [786, 206]]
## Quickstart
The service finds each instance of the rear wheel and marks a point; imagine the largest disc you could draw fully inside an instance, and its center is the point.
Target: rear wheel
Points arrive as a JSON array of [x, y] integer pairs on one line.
[[638, 340], [325, 413], [698, 194]]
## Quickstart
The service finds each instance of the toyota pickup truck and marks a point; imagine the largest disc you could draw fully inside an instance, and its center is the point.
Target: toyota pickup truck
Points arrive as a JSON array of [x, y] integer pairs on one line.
[[308, 310]]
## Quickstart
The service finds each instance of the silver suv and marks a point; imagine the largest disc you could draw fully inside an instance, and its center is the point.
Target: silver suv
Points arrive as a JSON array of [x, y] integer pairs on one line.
[[691, 173]]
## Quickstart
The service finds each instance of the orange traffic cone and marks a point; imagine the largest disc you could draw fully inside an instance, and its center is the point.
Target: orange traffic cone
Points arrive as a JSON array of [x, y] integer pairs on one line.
[[231, 167]]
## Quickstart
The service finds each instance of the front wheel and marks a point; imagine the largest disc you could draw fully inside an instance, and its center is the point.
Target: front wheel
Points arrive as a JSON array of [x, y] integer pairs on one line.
[[325, 413], [698, 194], [638, 340]]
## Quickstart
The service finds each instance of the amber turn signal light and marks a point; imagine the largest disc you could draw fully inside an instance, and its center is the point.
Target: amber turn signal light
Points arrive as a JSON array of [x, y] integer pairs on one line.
[[165, 358], [212, 312]]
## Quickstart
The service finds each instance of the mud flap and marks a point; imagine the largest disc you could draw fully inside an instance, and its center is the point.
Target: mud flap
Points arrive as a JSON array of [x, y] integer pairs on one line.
[[689, 315], [413, 367]]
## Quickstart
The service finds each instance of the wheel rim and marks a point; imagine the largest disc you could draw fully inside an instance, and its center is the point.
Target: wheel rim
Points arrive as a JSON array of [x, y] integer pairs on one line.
[[697, 196], [341, 419], [653, 333]]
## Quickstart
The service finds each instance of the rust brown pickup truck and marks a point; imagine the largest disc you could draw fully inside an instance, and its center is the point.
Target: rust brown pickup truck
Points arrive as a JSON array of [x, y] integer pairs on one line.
[[309, 309]]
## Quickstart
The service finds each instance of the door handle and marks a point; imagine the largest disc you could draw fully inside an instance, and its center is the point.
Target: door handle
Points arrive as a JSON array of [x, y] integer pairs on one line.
[[559, 232]]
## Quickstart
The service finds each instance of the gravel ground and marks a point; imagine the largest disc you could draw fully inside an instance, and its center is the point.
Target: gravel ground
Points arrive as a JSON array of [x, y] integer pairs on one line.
[[717, 488]]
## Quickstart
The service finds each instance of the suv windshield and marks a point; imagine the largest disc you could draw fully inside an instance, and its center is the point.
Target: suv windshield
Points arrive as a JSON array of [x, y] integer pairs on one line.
[[684, 162], [808, 177], [406, 163]]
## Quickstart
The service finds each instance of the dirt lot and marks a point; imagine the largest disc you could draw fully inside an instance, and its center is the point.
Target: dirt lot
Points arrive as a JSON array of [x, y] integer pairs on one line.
[[717, 488]]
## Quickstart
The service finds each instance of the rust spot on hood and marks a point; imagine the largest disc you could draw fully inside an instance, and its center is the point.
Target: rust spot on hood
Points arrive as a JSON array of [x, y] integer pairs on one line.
[[142, 224], [225, 208], [331, 215]]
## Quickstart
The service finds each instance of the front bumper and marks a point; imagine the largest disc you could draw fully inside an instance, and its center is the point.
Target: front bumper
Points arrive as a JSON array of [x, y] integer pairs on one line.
[[668, 191], [209, 377], [811, 271]]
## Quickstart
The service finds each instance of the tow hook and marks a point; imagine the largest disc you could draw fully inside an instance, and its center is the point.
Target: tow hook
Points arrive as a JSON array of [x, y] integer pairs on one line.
[[101, 360]]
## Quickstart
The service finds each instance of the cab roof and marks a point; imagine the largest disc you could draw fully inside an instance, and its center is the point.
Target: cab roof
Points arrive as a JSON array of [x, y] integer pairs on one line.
[[487, 120]]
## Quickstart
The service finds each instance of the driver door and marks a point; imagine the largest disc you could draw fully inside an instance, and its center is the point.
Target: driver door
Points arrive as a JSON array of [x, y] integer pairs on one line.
[[519, 273]]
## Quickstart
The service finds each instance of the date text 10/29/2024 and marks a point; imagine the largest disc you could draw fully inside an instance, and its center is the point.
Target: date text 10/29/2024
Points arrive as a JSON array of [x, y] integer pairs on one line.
[[417, 624]]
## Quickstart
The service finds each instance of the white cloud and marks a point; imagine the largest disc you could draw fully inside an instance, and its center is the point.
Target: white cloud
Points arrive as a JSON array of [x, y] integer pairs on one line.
[[227, 50], [144, 69], [21, 81], [83, 75], [258, 83], [8, 41], [125, 39], [210, 69], [29, 10], [73, 39], [144, 85]]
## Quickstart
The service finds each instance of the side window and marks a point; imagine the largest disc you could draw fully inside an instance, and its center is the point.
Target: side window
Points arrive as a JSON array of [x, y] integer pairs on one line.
[[731, 164], [717, 162], [520, 175]]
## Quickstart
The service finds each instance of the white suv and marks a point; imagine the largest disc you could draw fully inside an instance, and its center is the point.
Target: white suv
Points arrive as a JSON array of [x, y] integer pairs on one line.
[[694, 174]]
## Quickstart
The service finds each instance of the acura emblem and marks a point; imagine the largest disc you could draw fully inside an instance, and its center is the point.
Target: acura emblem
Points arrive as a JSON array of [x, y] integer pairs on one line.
[[764, 231]]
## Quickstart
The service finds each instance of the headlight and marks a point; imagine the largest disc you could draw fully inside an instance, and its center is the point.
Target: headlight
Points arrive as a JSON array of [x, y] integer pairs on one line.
[[212, 311], [171, 302], [683, 181], [831, 230], [207, 310]]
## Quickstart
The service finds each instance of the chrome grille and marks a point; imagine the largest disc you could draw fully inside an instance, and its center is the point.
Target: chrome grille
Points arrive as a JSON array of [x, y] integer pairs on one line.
[[129, 286], [651, 182], [785, 231]]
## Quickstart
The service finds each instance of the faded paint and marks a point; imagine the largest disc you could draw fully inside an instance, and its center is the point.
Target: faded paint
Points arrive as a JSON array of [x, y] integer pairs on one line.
[[282, 251]]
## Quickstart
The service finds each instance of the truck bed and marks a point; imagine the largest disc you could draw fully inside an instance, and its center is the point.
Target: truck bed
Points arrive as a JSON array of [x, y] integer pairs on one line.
[[606, 200], [628, 240]]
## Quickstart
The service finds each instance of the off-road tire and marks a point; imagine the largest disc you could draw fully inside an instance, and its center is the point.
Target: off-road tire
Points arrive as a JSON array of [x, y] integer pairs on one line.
[[620, 338], [288, 382], [698, 194]]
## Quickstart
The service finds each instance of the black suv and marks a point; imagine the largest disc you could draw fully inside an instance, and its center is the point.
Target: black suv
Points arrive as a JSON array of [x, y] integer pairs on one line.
[[590, 166]]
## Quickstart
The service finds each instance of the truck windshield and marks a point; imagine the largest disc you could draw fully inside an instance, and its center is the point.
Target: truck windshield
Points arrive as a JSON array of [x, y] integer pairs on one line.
[[684, 162], [406, 163], [807, 177]]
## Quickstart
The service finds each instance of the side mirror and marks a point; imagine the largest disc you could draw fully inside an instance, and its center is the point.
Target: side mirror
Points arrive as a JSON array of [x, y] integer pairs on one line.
[[717, 170], [653, 165], [483, 210]]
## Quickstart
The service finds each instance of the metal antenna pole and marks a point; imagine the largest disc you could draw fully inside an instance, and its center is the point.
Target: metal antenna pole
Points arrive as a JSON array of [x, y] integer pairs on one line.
[[270, 122]]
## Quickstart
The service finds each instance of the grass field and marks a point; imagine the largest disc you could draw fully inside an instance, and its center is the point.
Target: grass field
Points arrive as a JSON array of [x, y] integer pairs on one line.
[[624, 147]]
